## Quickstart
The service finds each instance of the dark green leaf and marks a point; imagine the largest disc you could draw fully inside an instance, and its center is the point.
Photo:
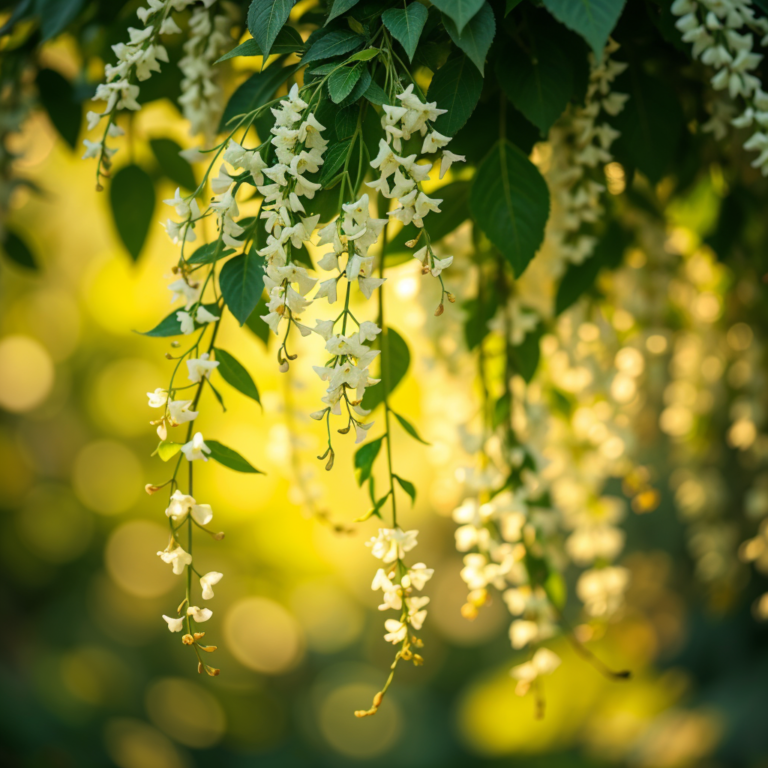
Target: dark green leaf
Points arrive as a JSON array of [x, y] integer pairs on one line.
[[216, 394], [651, 124], [229, 458], [18, 251], [543, 78], [335, 43], [406, 25], [376, 94], [511, 5], [256, 325], [255, 92], [364, 458], [456, 87], [409, 428], [339, 7], [334, 161], [476, 37], [173, 166], [396, 356], [480, 311], [361, 86], [132, 198], [510, 203], [209, 253], [288, 40], [265, 20], [57, 97], [170, 326], [342, 81], [235, 374], [242, 281], [594, 20], [407, 486], [525, 356], [460, 11], [346, 122], [56, 15]]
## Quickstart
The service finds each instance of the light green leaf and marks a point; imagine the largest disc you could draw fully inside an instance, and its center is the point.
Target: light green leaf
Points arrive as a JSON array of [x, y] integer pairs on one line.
[[335, 43], [476, 37], [374, 510], [456, 87], [18, 251], [407, 486], [170, 326], [364, 458], [167, 449], [342, 81], [510, 203], [397, 357], [406, 25], [132, 199], [594, 20], [460, 11], [265, 20], [229, 458], [409, 428], [366, 55], [339, 7], [288, 40], [235, 375], [173, 166], [242, 281]]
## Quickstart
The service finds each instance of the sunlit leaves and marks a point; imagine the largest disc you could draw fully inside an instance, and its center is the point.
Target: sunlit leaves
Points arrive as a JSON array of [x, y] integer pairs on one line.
[[476, 37], [406, 25], [230, 458], [242, 281], [407, 486], [456, 87], [235, 374], [510, 203], [409, 428], [594, 20], [265, 20], [132, 199]]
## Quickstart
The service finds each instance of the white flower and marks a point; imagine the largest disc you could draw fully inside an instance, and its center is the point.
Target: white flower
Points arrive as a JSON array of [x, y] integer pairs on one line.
[[544, 662], [195, 448], [186, 323], [199, 615], [207, 582], [447, 159], [174, 625], [602, 590], [418, 575], [396, 631], [200, 367], [181, 289], [204, 316], [158, 398], [392, 543], [179, 412], [177, 557]]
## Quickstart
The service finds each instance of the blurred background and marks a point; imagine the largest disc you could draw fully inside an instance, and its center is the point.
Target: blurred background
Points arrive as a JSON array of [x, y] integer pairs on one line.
[[90, 674]]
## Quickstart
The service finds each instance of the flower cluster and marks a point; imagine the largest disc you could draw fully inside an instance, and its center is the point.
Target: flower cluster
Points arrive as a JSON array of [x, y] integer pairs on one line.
[[398, 583], [201, 95], [722, 36]]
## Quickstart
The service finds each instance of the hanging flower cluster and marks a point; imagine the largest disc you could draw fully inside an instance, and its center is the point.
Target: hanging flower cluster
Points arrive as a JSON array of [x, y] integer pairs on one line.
[[722, 36]]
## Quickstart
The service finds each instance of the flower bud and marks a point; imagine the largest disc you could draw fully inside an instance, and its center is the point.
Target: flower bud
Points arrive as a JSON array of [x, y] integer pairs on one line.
[[188, 639], [218, 536], [439, 311], [450, 297], [329, 465], [283, 367], [150, 489]]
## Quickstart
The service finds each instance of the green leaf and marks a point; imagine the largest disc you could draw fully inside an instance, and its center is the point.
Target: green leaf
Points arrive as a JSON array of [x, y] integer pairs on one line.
[[235, 374], [364, 458], [173, 166], [288, 40], [407, 486], [406, 25], [209, 253], [361, 86], [335, 43], [56, 15], [651, 124], [346, 122], [334, 160], [594, 20], [376, 94], [255, 92], [365, 55], [229, 458], [525, 356], [374, 510], [242, 281], [510, 203], [454, 210], [397, 357], [479, 313], [18, 251], [170, 326], [167, 449], [456, 87], [257, 326], [409, 428], [476, 37], [57, 96], [132, 198], [339, 7], [342, 81], [555, 589], [543, 78], [459, 11], [511, 5], [265, 20]]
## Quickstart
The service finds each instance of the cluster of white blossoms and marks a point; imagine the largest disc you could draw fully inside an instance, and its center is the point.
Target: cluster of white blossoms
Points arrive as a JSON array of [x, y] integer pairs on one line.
[[136, 61], [201, 96], [722, 34], [399, 583]]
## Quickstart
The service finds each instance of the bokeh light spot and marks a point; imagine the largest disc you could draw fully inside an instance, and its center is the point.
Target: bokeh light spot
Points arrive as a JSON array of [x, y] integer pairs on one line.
[[133, 744], [27, 373], [107, 477]]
